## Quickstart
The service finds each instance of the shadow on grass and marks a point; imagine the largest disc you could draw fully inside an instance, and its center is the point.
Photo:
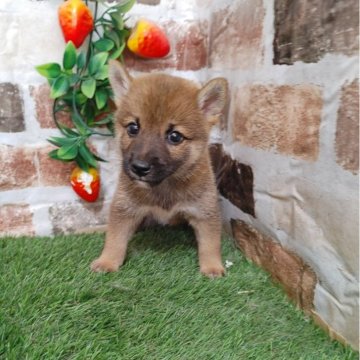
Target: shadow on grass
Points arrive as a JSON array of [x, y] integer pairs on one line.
[[163, 238]]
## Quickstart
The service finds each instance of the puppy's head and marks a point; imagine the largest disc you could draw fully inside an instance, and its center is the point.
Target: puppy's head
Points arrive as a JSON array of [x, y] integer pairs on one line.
[[163, 122]]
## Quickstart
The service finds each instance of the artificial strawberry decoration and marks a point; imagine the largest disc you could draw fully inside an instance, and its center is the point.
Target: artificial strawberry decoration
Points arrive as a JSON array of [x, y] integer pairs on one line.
[[148, 40], [86, 184], [76, 21]]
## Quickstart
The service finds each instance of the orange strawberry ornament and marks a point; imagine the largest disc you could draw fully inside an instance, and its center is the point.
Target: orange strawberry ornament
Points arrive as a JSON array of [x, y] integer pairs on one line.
[[148, 40], [76, 21], [86, 184]]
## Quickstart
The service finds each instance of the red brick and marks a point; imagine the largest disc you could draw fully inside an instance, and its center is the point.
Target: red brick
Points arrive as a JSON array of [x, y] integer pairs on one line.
[[236, 36], [347, 129], [44, 107], [191, 47], [16, 220], [284, 118], [137, 63], [285, 267], [53, 172], [17, 167]]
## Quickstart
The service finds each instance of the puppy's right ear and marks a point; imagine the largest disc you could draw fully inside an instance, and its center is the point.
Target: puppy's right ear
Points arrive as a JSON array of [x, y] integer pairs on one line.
[[212, 99], [120, 80]]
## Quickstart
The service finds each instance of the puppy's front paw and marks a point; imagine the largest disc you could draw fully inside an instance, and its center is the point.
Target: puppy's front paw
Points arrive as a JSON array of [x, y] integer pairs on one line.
[[212, 272], [104, 265]]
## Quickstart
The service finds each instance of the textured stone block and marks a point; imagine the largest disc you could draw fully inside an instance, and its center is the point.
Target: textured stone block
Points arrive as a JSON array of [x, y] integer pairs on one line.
[[149, 2], [188, 41], [235, 181], [79, 216], [17, 168], [44, 108], [10, 39], [306, 30], [53, 172], [16, 220], [284, 118], [236, 36], [11, 109], [285, 267], [347, 129]]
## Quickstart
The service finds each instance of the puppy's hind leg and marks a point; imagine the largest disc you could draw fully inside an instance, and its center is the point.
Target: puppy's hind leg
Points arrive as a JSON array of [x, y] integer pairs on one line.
[[120, 230]]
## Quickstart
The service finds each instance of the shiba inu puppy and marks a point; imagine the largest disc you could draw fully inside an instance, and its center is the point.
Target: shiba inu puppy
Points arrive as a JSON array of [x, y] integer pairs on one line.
[[162, 124]]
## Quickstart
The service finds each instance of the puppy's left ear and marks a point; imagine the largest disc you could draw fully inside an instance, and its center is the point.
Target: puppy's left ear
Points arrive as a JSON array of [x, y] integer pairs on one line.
[[212, 99], [120, 80]]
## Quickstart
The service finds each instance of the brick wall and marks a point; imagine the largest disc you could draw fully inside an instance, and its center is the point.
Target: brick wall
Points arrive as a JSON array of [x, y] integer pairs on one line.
[[35, 192], [293, 122], [287, 154]]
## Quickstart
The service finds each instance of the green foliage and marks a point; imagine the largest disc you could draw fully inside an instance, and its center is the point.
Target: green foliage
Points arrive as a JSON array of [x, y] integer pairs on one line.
[[80, 85], [69, 59]]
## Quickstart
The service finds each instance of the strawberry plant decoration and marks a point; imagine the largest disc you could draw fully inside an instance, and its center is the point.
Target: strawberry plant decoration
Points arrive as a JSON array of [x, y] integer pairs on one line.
[[80, 84]]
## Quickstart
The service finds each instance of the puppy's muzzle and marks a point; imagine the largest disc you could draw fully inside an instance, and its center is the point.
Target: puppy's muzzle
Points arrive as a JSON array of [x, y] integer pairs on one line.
[[140, 168]]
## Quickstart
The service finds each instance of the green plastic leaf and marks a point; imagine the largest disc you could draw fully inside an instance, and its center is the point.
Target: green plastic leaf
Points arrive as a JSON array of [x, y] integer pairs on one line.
[[88, 87], [117, 19], [62, 141], [88, 112], [74, 78], [101, 98], [79, 124], [123, 34], [118, 52], [50, 70], [104, 44], [103, 73], [67, 131], [68, 152], [82, 163], [69, 59], [81, 60], [53, 155], [87, 155], [112, 35], [80, 98], [125, 6], [97, 62], [59, 87]]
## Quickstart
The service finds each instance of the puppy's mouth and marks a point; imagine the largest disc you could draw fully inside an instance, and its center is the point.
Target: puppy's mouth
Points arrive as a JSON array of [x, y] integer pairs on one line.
[[150, 179], [144, 182]]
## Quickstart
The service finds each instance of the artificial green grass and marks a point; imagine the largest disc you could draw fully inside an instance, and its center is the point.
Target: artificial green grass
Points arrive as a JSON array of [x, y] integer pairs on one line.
[[157, 306]]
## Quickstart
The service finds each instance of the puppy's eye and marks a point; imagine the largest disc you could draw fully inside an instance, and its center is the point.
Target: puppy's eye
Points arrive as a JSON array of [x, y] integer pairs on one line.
[[174, 137], [133, 129]]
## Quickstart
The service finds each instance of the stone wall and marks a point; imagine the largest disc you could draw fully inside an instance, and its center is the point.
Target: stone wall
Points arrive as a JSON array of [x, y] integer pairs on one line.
[[286, 154], [35, 192], [293, 124]]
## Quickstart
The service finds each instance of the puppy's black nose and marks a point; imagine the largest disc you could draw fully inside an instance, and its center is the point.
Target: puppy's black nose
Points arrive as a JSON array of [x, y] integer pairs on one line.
[[140, 168]]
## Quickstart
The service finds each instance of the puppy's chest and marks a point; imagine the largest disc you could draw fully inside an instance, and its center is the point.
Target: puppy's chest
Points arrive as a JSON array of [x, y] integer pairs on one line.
[[164, 216]]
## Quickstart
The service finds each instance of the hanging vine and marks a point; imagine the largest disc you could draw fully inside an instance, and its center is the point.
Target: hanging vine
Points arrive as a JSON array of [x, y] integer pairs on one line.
[[80, 85]]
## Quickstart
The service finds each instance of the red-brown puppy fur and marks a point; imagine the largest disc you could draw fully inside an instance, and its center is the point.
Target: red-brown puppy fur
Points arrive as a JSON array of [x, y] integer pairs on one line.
[[163, 124]]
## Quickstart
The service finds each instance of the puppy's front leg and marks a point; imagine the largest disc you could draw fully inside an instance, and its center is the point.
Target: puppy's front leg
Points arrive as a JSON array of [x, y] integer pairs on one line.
[[120, 230], [208, 236]]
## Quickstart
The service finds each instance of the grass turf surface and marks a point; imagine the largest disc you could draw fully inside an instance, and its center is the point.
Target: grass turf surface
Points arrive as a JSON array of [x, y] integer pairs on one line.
[[157, 306]]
